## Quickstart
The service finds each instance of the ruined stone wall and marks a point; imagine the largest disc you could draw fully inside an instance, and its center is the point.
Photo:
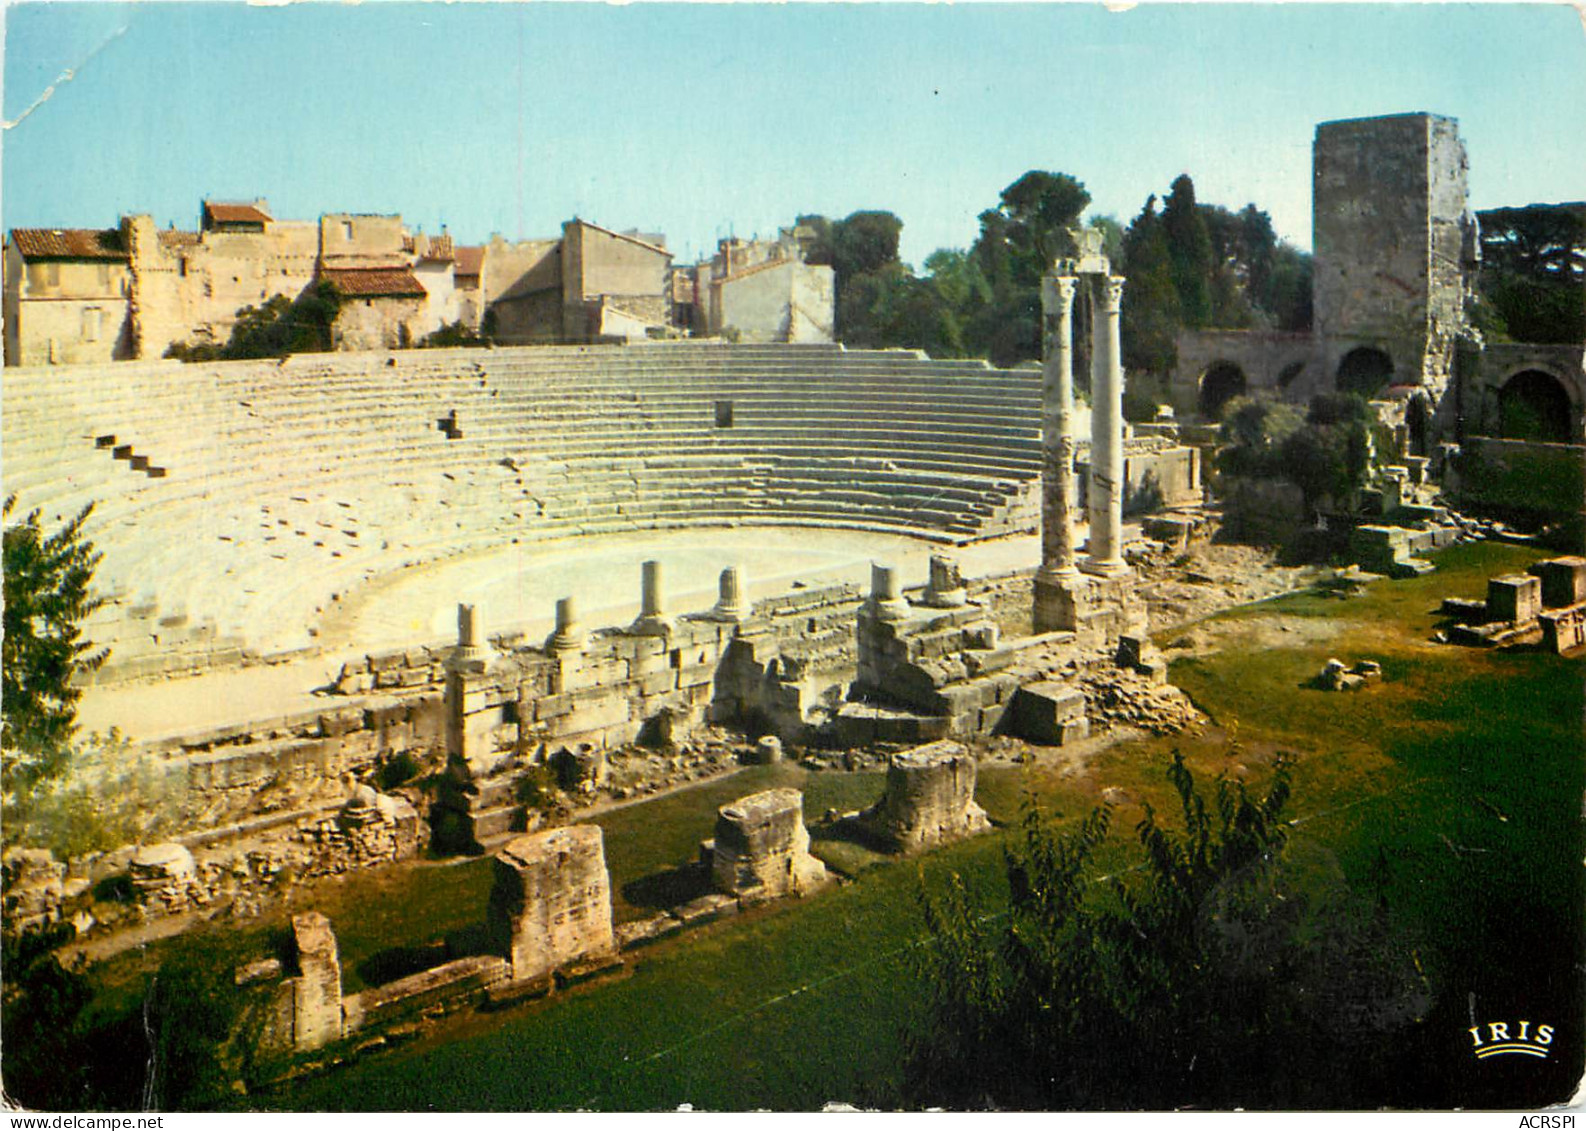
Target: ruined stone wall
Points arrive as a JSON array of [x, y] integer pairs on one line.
[[1269, 360], [1483, 379]]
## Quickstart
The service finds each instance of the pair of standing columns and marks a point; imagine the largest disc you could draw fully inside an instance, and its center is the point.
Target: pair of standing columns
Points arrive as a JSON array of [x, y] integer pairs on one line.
[[1058, 558]]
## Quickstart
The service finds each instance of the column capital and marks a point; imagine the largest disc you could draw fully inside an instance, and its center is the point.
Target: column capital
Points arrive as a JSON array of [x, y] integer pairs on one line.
[[1057, 293], [1108, 290]]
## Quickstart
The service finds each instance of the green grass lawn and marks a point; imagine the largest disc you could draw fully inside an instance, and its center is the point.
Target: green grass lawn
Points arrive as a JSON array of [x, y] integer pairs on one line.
[[1453, 790]]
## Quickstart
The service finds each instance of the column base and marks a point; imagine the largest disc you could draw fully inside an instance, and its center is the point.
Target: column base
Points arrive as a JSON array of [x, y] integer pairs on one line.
[[1105, 567], [651, 626]]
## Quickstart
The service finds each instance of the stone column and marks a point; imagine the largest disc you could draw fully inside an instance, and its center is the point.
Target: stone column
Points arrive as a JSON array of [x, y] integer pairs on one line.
[[550, 902], [569, 636], [468, 723], [652, 621], [1057, 427], [730, 605], [469, 643], [1106, 436], [886, 598], [945, 589]]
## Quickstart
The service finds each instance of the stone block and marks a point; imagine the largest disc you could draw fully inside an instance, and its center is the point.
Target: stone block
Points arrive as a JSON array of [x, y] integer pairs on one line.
[[1563, 581], [1514, 598], [461, 981], [317, 989], [1045, 713], [762, 846], [929, 798], [609, 711], [1563, 630], [551, 900]]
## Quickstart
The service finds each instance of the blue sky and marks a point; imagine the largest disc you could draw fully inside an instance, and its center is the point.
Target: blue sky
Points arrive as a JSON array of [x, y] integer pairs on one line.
[[703, 120]]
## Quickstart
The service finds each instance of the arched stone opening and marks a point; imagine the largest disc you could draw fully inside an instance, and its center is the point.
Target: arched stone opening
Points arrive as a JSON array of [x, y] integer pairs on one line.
[[1365, 370], [1290, 373], [1534, 405], [1222, 383]]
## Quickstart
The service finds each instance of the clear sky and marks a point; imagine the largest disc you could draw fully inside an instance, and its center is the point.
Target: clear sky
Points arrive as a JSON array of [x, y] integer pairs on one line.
[[703, 120]]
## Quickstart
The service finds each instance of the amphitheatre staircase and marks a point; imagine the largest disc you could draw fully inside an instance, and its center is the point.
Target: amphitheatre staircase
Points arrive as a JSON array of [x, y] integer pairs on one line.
[[232, 500]]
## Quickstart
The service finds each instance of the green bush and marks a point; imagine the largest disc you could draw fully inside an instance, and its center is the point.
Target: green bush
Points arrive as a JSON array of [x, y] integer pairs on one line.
[[1197, 977]]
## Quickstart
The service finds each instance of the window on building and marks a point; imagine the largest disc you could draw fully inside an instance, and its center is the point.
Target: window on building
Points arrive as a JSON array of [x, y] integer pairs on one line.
[[92, 320], [723, 414], [346, 229]]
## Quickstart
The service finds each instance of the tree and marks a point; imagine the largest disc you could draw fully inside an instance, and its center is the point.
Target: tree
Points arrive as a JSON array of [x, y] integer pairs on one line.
[[1200, 977], [1189, 249], [1028, 229], [1328, 458], [1533, 272], [1150, 320], [47, 599], [275, 329]]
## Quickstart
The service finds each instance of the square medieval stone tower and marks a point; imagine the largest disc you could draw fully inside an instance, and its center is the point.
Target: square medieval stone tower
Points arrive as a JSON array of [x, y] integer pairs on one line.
[[1394, 249]]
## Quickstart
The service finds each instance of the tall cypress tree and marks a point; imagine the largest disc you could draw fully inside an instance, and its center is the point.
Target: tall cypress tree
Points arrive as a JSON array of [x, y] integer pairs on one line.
[[1189, 248], [1151, 316]]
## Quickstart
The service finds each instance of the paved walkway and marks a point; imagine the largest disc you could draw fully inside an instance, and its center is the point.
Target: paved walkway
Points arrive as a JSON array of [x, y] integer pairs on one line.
[[516, 588]]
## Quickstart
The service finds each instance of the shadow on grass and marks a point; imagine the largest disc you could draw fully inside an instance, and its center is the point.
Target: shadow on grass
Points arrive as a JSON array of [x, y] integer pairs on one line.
[[661, 890], [401, 961]]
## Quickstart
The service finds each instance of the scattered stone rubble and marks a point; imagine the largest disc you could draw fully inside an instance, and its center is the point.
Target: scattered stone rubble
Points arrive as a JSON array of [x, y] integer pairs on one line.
[[1338, 676]]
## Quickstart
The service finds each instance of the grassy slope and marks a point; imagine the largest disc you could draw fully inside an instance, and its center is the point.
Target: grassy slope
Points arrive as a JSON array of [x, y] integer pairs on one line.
[[1454, 787]]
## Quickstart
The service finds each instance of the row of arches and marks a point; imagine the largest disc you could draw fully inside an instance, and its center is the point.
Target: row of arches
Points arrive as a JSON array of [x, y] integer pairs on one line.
[[1532, 404]]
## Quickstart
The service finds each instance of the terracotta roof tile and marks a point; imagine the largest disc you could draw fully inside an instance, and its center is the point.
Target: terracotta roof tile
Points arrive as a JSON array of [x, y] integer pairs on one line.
[[171, 237], [69, 243], [470, 261], [374, 282], [439, 250], [223, 213]]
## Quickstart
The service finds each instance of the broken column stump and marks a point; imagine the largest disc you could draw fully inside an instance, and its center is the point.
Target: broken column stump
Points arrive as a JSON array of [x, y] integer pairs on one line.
[[550, 905], [761, 850], [929, 799]]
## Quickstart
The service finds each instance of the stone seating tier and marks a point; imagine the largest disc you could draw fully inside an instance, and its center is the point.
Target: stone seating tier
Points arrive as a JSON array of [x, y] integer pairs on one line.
[[286, 482]]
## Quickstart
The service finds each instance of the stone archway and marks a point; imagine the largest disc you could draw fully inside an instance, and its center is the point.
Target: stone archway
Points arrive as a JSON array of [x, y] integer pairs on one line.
[[1365, 370], [1534, 405], [1290, 373], [1222, 382]]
